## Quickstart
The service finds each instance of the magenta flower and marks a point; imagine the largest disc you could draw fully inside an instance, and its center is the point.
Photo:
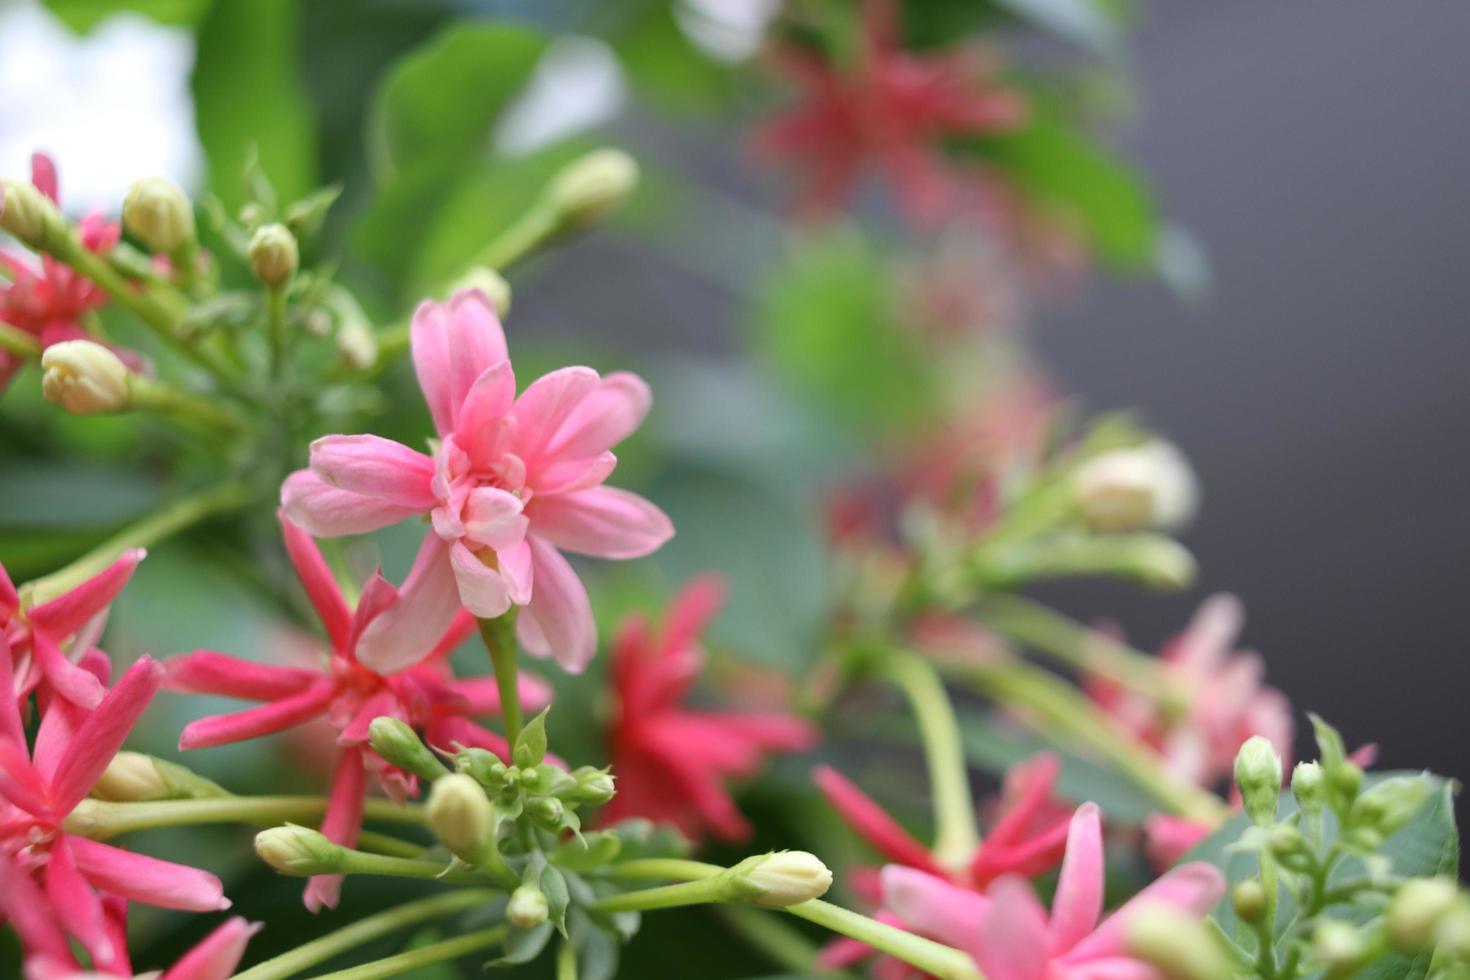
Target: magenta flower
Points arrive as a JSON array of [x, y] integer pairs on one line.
[[45, 641], [1009, 934], [893, 108], [49, 303], [50, 879], [215, 957], [512, 483], [405, 676], [1225, 701], [671, 763]]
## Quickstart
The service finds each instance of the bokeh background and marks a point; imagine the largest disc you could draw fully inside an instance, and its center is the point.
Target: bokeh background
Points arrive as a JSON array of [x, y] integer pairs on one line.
[[1316, 375]]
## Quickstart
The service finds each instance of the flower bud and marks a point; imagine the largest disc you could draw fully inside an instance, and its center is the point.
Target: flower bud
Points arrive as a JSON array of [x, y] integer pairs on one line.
[[25, 212], [783, 878], [1338, 946], [1179, 946], [273, 255], [594, 787], [1249, 900], [1452, 935], [1286, 842], [84, 377], [297, 850], [527, 908], [1258, 774], [588, 188], [1417, 908], [399, 744], [1306, 786], [461, 816], [489, 282], [156, 212], [131, 777], [546, 812], [1148, 486], [1347, 779], [1386, 806]]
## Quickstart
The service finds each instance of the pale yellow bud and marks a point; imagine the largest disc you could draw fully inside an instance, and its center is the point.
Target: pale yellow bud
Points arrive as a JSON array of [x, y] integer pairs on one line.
[[1258, 774], [25, 212], [298, 851], [527, 907], [588, 188], [785, 878], [274, 255], [461, 816], [1179, 946], [489, 282], [129, 778], [156, 212], [1417, 909], [1148, 486], [84, 377]]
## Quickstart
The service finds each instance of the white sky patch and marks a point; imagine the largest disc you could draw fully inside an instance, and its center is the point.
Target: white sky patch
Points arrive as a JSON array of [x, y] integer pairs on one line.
[[109, 107], [577, 85], [731, 30]]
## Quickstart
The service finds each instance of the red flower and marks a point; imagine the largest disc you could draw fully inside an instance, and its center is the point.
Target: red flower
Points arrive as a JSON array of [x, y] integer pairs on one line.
[[49, 303], [892, 108], [671, 763], [406, 680]]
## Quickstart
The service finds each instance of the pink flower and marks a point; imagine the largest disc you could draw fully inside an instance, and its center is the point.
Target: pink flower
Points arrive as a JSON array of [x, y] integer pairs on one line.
[[50, 879], [1009, 934], [45, 641], [406, 676], [49, 303], [1225, 701], [891, 107], [512, 483], [671, 763], [215, 957]]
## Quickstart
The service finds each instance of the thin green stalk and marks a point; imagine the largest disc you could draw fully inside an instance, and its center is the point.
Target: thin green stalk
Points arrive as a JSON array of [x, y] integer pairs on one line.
[[676, 868], [566, 961], [173, 518], [275, 313], [14, 340], [1069, 718], [413, 959], [101, 820], [499, 635], [351, 937], [957, 835], [377, 843], [158, 396], [355, 862], [701, 891]]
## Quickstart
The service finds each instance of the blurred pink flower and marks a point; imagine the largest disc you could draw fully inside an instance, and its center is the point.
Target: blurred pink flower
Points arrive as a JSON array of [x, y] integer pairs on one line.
[[1224, 699], [891, 107], [50, 879], [48, 303], [512, 483], [409, 679], [215, 957], [671, 763], [1009, 934], [45, 641]]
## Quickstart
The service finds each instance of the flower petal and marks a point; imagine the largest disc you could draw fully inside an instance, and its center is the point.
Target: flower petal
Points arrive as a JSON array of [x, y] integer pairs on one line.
[[78, 906], [375, 467], [324, 511], [871, 822], [208, 672], [546, 405], [103, 732], [607, 416], [934, 907], [487, 401], [482, 590], [558, 619], [29, 913], [1079, 897], [321, 586], [453, 343], [65, 677], [604, 522], [341, 824], [405, 632], [1011, 939], [64, 615], [492, 517], [1192, 888], [148, 880], [217, 955], [254, 722]]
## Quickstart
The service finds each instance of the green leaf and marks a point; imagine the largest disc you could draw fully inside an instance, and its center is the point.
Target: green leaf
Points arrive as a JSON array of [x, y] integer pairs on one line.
[[597, 948], [554, 887], [248, 93], [588, 853], [530, 747], [83, 15], [524, 945]]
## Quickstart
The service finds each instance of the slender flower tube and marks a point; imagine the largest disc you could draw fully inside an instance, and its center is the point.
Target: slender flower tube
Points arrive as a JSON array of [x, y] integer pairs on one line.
[[513, 482]]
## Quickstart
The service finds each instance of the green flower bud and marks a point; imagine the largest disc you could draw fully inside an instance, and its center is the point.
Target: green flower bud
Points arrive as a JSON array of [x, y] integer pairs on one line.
[[156, 212], [85, 378], [395, 741], [781, 878], [273, 255], [297, 850], [1417, 909], [131, 777], [1452, 935], [1249, 900], [527, 908], [1286, 842], [1306, 786], [26, 213], [461, 816], [1347, 780], [587, 189], [1388, 805], [593, 787], [484, 766], [1338, 946], [1179, 946], [546, 812], [1258, 774]]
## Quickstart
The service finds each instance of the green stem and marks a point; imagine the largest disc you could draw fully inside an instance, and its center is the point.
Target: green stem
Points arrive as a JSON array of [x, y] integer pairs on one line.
[[448, 949], [499, 635], [957, 835], [1150, 559], [355, 862], [1086, 650], [942, 962], [102, 820], [158, 396], [351, 937], [702, 891], [1067, 717], [566, 961], [176, 516], [368, 840], [14, 340], [275, 313]]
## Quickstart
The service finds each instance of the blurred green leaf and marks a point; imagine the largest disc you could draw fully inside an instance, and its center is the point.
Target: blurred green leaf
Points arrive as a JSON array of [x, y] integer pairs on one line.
[[83, 15], [666, 67], [248, 92]]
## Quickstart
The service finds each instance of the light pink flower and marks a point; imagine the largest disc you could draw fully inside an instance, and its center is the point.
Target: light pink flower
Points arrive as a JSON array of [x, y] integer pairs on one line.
[[49, 879], [1011, 936], [215, 957], [45, 641], [49, 302], [671, 763], [1225, 700], [408, 679], [512, 483]]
